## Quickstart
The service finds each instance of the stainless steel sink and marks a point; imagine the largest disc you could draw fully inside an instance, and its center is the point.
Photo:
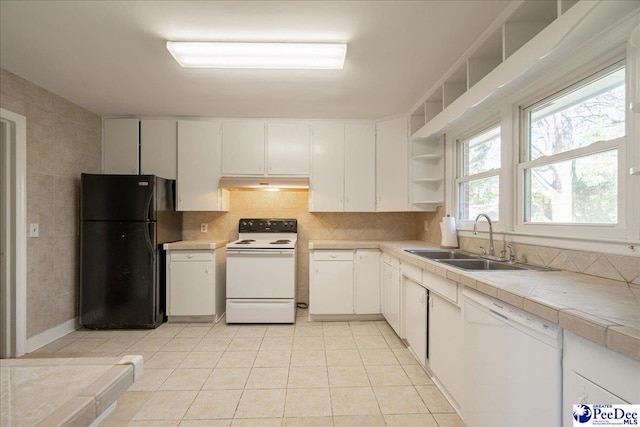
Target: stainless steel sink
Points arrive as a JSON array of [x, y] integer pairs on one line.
[[471, 261], [441, 254], [482, 264]]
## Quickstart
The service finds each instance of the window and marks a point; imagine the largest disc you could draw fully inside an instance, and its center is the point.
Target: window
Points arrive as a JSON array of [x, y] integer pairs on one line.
[[478, 180], [572, 152]]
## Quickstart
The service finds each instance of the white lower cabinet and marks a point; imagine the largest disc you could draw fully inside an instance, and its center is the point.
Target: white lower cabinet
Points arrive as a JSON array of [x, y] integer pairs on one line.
[[331, 283], [415, 319], [391, 291], [196, 285], [344, 281], [446, 343], [593, 374], [367, 281]]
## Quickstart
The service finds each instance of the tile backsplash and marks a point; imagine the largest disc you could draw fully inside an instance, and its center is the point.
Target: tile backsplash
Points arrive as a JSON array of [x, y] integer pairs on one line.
[[615, 267], [311, 225], [609, 266]]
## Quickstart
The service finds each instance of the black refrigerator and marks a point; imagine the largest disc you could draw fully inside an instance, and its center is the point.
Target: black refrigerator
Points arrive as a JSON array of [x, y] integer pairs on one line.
[[124, 220]]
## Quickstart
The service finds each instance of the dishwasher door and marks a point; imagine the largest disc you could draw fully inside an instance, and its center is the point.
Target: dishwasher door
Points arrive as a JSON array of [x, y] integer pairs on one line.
[[512, 366]]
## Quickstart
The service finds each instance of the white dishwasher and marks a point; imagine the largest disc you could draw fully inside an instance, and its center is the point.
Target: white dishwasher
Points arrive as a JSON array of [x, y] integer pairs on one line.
[[512, 365]]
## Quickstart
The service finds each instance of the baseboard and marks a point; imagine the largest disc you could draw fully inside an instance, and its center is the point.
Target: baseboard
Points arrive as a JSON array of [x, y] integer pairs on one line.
[[50, 335], [344, 317]]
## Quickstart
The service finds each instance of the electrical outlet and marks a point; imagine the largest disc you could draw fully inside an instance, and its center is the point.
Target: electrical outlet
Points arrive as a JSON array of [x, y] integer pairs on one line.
[[204, 227], [426, 226], [34, 230]]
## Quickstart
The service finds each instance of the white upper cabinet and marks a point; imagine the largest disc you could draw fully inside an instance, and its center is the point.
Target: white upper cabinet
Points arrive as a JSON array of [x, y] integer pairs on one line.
[[199, 147], [288, 149], [243, 148], [392, 163], [359, 167], [120, 149], [343, 167], [159, 148], [327, 176], [251, 147]]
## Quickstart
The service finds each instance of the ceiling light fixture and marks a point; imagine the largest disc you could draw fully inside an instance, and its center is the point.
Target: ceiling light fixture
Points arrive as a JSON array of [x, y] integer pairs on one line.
[[301, 56]]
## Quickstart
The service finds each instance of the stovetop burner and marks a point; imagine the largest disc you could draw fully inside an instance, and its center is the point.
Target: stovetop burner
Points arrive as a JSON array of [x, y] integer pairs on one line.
[[280, 242], [245, 242]]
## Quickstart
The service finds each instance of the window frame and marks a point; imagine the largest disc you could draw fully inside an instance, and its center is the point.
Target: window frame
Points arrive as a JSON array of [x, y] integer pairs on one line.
[[594, 230], [459, 170]]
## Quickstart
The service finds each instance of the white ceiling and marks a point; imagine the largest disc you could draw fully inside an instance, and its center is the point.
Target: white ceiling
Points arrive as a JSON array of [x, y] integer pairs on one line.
[[110, 56]]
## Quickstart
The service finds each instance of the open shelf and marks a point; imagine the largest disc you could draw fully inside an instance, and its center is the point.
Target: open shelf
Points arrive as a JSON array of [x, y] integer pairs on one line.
[[427, 157], [428, 180], [427, 174], [509, 46]]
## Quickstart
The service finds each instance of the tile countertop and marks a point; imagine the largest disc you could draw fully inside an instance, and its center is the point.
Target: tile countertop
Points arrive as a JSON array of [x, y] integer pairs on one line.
[[601, 310], [194, 245], [63, 391]]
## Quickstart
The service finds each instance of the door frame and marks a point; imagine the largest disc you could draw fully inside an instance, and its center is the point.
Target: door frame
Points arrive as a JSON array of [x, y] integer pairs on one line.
[[14, 311]]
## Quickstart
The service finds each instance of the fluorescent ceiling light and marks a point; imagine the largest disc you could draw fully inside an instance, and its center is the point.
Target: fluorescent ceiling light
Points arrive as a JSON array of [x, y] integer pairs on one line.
[[303, 56]]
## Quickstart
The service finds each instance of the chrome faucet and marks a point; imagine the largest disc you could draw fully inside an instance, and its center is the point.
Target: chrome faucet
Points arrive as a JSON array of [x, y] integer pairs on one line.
[[492, 251]]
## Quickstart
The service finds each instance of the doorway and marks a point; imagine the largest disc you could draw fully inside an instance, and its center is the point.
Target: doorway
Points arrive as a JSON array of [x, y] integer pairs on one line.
[[13, 234]]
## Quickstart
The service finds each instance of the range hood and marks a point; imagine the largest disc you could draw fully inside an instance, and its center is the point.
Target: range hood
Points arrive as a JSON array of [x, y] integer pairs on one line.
[[264, 182]]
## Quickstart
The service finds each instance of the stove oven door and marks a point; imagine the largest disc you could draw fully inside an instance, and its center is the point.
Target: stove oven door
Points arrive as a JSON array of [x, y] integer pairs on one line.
[[255, 273]]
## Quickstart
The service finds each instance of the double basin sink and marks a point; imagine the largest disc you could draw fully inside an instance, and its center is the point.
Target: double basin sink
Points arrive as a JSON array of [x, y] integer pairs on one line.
[[469, 261]]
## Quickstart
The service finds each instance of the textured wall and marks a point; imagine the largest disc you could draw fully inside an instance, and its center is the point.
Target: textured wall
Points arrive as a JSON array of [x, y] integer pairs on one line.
[[311, 226], [63, 140]]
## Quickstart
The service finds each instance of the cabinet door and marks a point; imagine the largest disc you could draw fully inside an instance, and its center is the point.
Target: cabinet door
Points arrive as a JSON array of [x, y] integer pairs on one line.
[[391, 307], [288, 149], [199, 166], [332, 287], [159, 148], [416, 318], [327, 175], [367, 281], [446, 344], [360, 167], [190, 289], [120, 146], [243, 148], [392, 166]]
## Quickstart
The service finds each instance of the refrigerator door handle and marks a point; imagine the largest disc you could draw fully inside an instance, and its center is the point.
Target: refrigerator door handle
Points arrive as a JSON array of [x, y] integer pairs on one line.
[[149, 214], [147, 238]]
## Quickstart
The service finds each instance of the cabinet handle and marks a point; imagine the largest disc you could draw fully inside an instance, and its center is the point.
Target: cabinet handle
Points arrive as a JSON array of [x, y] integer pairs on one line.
[[206, 270], [189, 256], [334, 256]]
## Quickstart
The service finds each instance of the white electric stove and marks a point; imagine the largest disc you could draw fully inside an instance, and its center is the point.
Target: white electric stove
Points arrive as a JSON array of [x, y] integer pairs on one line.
[[261, 272]]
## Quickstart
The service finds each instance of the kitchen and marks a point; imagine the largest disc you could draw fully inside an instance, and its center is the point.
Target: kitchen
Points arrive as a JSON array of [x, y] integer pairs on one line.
[[65, 139]]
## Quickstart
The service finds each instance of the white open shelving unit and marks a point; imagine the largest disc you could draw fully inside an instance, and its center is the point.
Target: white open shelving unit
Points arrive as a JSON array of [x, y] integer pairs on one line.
[[525, 32]]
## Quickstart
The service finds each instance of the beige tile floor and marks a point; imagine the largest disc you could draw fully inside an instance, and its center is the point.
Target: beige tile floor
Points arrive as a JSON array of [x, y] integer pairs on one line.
[[307, 374]]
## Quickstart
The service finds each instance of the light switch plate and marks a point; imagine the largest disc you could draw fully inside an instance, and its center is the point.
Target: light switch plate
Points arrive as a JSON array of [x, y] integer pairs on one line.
[[204, 227], [34, 230]]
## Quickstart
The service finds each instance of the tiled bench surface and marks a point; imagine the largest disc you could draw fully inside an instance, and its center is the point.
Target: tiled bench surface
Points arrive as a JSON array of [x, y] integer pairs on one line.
[[63, 391]]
